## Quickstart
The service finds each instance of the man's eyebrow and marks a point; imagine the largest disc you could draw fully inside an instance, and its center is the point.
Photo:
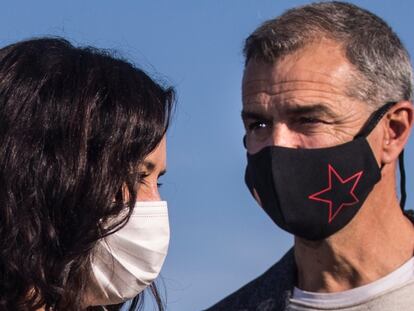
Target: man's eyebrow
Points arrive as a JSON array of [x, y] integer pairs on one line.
[[291, 110], [253, 115], [309, 109]]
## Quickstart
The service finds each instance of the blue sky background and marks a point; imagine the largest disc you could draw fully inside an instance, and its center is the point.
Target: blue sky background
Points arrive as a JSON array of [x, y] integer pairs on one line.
[[220, 238]]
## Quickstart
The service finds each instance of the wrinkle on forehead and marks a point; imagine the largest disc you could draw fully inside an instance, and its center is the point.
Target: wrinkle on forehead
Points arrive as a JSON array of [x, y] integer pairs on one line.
[[319, 64], [317, 73], [252, 87]]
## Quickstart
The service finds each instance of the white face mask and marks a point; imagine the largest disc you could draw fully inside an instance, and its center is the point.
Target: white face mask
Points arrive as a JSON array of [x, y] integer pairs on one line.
[[128, 260]]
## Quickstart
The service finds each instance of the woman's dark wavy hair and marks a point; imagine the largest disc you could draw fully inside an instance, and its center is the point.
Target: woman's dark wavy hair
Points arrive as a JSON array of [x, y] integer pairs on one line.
[[74, 125]]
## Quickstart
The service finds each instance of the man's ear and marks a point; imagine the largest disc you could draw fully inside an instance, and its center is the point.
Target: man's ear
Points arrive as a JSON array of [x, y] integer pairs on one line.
[[398, 124]]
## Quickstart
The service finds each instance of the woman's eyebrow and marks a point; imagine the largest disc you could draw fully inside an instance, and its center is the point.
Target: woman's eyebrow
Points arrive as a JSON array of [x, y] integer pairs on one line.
[[148, 165]]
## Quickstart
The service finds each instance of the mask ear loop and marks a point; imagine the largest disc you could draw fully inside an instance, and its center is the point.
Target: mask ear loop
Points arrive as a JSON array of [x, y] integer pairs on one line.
[[367, 129], [374, 119], [402, 180]]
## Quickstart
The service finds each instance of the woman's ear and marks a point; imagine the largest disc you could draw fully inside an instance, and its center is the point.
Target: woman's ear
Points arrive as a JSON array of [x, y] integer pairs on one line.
[[398, 124]]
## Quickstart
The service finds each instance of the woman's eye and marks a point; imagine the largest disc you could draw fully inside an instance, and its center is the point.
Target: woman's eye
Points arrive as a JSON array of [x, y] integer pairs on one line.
[[141, 176]]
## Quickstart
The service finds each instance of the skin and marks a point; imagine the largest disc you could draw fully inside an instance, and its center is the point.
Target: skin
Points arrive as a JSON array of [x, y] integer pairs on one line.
[[300, 101], [152, 168]]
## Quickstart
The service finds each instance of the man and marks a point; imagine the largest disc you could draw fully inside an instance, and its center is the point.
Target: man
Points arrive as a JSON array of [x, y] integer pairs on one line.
[[327, 109]]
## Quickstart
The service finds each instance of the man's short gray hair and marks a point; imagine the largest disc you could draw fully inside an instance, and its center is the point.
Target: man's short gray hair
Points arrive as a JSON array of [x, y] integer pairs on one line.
[[383, 69]]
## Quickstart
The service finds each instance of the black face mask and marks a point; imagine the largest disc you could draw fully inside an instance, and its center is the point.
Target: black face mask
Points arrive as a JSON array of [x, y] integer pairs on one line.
[[313, 193]]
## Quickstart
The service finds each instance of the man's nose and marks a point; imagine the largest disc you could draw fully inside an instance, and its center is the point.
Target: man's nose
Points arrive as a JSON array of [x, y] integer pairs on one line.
[[282, 136], [279, 135]]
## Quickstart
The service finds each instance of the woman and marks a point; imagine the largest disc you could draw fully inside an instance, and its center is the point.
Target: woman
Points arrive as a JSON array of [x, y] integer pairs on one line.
[[81, 140]]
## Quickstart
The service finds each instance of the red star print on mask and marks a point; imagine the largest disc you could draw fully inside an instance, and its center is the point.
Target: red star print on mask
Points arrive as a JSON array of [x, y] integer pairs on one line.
[[339, 193]]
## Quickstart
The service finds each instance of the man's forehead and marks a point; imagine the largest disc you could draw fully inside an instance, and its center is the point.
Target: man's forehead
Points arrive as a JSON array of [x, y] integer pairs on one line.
[[320, 64], [296, 97], [290, 89]]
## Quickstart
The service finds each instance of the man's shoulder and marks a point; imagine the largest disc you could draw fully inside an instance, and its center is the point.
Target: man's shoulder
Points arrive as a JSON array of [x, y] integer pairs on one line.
[[268, 292]]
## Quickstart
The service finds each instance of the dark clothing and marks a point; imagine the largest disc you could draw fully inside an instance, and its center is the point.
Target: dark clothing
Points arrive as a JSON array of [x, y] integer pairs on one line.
[[269, 292]]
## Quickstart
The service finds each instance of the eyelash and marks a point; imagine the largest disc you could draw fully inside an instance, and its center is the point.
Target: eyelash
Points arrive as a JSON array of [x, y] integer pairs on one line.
[[304, 120], [142, 176]]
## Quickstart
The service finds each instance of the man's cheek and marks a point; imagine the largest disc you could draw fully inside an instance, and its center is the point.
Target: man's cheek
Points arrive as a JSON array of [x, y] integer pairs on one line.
[[256, 197]]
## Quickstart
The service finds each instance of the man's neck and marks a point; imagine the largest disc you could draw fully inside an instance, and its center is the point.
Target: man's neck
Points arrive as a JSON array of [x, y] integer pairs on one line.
[[376, 242]]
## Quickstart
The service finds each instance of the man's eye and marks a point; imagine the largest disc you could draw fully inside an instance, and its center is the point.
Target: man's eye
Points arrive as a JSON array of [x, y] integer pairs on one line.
[[309, 120], [258, 125]]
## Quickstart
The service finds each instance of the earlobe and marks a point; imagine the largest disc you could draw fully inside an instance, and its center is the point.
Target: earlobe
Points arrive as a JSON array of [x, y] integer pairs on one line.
[[399, 121]]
